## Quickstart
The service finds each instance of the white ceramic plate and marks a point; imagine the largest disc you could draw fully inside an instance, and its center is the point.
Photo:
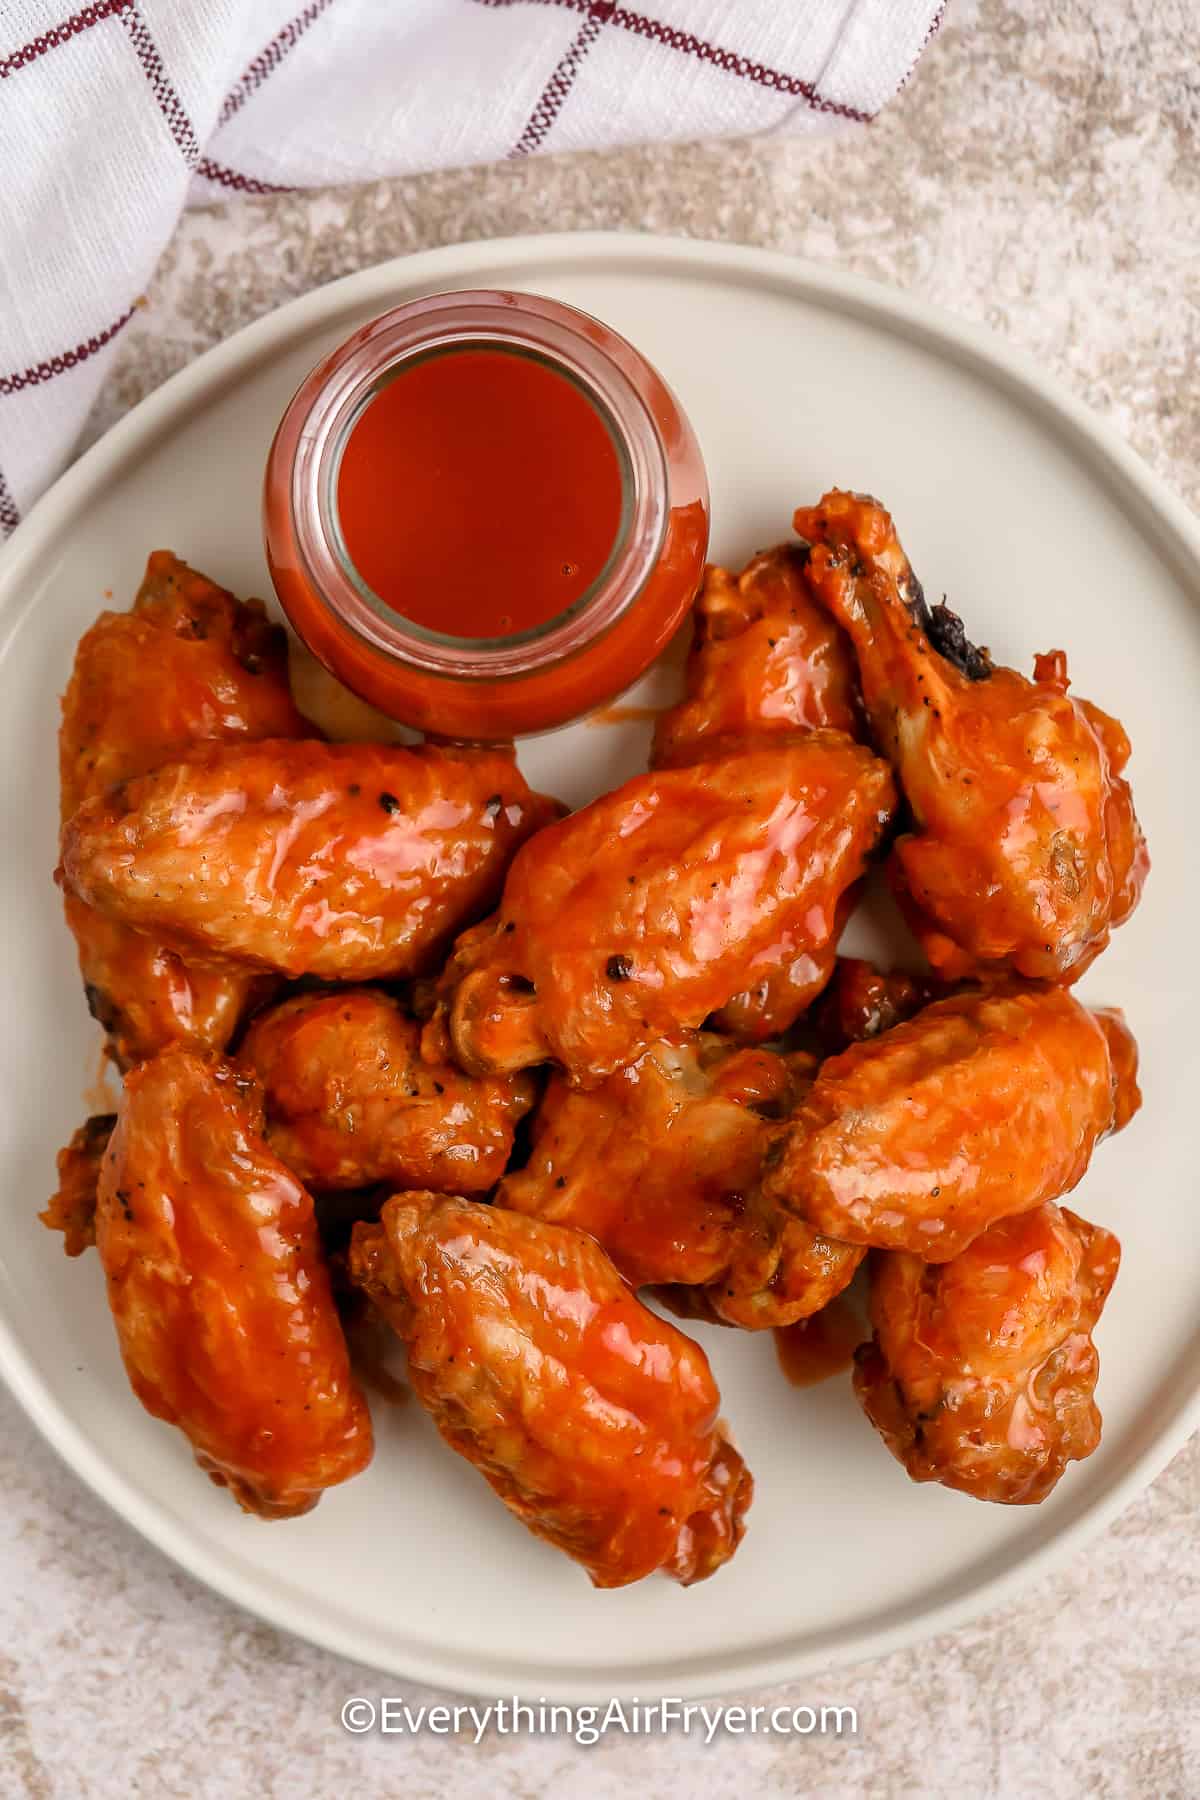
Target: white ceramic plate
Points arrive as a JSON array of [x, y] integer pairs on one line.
[[1044, 531]]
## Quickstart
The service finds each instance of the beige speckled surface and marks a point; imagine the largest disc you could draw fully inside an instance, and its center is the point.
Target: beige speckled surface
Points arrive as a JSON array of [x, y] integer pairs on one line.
[[1041, 174]]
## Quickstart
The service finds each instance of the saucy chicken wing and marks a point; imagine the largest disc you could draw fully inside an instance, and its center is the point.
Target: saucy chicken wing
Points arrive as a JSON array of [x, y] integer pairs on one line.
[[350, 1102], [661, 1164], [346, 861], [644, 912], [219, 1292], [983, 1105], [72, 1208], [765, 658], [592, 1419], [188, 662], [982, 1370], [1025, 850]]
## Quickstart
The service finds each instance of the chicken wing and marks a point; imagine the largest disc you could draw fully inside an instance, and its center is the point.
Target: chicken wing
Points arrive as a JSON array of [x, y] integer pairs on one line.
[[346, 861], [1025, 850], [72, 1208], [349, 1101], [983, 1105], [643, 913], [981, 1371], [594, 1420], [218, 1290], [661, 1164], [188, 662], [765, 658]]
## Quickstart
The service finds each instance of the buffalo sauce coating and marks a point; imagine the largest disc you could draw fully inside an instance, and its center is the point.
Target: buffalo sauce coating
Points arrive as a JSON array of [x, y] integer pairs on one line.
[[982, 1370], [1025, 850], [660, 1164], [188, 662], [765, 658], [984, 1104], [783, 981], [480, 493], [592, 1419], [339, 860], [643, 912], [349, 1101], [146, 995], [219, 1292], [656, 1163]]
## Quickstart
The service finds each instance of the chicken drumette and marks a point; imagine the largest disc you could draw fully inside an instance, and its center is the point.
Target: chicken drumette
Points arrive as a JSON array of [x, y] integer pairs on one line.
[[219, 1292], [347, 861], [349, 1100], [644, 912], [188, 662], [1024, 850], [983, 1105], [594, 1420], [982, 1370], [661, 1164]]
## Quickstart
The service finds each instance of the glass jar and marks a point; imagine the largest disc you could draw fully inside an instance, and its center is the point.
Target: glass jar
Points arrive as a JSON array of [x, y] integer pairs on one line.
[[490, 688]]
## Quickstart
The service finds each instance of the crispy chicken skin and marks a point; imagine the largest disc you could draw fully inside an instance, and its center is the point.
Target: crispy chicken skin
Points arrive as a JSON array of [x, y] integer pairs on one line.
[[72, 1208], [1024, 850], [642, 913], [350, 1102], [188, 662], [982, 1370], [594, 1420], [765, 658], [983, 1105], [661, 1163], [346, 861], [219, 1292]]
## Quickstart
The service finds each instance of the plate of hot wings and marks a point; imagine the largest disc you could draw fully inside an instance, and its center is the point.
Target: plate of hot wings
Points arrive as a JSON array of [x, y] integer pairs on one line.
[[679, 1195]]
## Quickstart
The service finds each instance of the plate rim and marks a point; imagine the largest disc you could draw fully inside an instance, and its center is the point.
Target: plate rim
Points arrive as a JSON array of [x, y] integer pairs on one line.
[[1146, 497]]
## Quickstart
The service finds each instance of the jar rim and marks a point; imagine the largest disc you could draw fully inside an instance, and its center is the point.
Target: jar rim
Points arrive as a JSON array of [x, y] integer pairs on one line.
[[330, 402]]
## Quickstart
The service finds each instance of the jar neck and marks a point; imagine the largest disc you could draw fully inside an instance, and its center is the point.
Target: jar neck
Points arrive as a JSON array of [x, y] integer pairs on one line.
[[576, 347]]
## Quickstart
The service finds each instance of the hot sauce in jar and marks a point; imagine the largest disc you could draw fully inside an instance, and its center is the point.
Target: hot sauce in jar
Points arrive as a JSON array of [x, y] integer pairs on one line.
[[486, 514]]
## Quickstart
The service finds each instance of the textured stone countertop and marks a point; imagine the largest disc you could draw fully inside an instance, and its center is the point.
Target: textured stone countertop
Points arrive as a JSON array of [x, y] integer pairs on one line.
[[1040, 174]]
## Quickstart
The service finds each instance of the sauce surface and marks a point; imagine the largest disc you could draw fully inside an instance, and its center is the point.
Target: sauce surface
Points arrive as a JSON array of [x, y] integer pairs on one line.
[[480, 493]]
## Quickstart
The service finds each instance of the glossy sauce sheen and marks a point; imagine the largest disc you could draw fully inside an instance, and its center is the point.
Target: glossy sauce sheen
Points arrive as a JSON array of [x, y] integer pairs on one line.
[[479, 493], [219, 1292], [346, 861], [593, 1419]]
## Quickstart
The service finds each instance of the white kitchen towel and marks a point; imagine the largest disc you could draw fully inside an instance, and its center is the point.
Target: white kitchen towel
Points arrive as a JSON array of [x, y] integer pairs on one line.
[[117, 114]]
